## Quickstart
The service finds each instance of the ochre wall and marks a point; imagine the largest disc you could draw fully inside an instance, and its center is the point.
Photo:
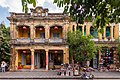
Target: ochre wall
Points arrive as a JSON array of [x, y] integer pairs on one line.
[[23, 33]]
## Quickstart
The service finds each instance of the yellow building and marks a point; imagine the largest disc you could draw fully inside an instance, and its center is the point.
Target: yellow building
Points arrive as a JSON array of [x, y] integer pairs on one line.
[[38, 38]]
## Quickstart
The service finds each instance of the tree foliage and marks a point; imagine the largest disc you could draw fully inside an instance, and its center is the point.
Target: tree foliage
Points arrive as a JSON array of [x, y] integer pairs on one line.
[[118, 51], [101, 12], [25, 4], [4, 43], [81, 47]]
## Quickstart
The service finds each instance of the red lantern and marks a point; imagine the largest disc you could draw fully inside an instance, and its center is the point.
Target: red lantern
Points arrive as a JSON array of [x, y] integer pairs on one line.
[[24, 27], [24, 51], [56, 51], [55, 27], [40, 29]]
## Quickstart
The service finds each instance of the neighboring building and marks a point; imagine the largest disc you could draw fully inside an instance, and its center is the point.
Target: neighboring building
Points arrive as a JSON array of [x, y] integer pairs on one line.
[[38, 39], [107, 41]]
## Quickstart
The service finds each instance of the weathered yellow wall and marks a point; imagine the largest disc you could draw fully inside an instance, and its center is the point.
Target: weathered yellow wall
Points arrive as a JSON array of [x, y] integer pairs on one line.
[[59, 30], [38, 33], [23, 33]]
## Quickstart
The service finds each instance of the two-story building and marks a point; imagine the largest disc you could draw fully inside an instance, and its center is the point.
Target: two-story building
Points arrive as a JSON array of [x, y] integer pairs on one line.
[[38, 39]]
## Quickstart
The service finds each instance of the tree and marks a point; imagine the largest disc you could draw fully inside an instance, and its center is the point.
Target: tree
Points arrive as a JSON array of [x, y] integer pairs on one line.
[[118, 52], [81, 47], [100, 12], [25, 4], [4, 43]]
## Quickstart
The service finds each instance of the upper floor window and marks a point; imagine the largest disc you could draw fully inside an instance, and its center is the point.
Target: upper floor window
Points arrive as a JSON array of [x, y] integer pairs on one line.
[[107, 31], [56, 35], [42, 35]]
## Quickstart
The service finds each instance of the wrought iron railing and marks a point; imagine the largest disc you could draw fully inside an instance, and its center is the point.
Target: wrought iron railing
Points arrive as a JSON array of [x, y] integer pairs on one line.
[[39, 40]]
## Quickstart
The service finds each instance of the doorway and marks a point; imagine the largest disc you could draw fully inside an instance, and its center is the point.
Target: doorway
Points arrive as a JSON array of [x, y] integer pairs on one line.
[[40, 59]]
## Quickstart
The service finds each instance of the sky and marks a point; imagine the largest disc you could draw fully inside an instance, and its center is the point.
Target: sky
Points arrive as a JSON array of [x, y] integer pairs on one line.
[[7, 6]]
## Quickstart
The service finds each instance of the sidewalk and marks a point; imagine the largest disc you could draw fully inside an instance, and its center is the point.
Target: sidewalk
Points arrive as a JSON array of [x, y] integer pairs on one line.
[[53, 75]]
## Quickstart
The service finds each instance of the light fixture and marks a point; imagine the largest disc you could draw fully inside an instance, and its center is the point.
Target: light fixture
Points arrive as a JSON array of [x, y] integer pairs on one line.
[[55, 27], [40, 29], [24, 27], [24, 51], [56, 51]]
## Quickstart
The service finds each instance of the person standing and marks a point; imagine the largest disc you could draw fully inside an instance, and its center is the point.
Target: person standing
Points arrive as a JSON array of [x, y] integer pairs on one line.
[[3, 65]]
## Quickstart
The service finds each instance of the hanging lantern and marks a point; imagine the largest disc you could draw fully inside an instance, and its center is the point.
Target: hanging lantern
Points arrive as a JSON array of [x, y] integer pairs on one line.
[[55, 27], [56, 51], [40, 29], [24, 51], [24, 27]]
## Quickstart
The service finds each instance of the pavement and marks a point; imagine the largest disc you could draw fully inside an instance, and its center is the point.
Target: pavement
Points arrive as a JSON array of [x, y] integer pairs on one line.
[[51, 74]]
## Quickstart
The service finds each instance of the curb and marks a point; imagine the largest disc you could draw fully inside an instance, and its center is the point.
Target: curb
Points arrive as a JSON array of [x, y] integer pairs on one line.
[[52, 77]]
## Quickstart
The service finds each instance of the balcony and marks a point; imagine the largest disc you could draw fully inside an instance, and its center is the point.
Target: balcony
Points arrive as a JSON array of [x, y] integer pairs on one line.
[[56, 40], [39, 40], [23, 40]]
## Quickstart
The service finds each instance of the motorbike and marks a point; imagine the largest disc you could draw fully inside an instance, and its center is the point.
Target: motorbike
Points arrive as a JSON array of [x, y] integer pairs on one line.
[[85, 74]]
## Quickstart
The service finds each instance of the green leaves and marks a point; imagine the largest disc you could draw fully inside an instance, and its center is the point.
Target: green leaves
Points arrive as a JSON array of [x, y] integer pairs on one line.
[[4, 43], [25, 4], [81, 47], [104, 11]]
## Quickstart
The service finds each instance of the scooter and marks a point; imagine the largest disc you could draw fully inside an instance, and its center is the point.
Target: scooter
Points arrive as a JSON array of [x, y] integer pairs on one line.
[[85, 75]]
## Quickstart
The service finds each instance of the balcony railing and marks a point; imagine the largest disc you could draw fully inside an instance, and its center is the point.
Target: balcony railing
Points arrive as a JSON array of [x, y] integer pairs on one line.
[[55, 40], [23, 40], [39, 40]]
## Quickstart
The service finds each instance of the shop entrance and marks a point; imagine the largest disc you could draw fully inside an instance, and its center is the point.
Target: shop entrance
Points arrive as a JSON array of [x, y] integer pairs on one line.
[[40, 59]]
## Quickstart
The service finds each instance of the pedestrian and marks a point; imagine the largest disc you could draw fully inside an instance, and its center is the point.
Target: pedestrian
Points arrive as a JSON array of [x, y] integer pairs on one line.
[[3, 65]]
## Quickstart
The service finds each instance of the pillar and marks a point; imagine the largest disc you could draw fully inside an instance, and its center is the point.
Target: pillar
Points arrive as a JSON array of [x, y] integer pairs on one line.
[[116, 31], [32, 59], [32, 31], [47, 31], [64, 52], [83, 30], [99, 54], [104, 34], [66, 55], [87, 29], [16, 61], [46, 60], [111, 32], [63, 32], [99, 36]]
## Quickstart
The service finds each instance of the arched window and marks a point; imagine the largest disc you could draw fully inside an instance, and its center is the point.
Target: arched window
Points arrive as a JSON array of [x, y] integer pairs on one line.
[[108, 31], [93, 32]]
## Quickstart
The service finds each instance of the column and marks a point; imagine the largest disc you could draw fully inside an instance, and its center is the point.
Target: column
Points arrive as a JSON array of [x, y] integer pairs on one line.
[[64, 52], [116, 31], [66, 55], [17, 31], [104, 34], [32, 31], [63, 32], [87, 29], [99, 36], [47, 31], [11, 30], [111, 32], [32, 59], [16, 61], [83, 30], [99, 58], [46, 60]]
